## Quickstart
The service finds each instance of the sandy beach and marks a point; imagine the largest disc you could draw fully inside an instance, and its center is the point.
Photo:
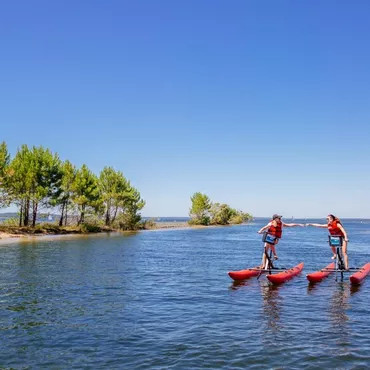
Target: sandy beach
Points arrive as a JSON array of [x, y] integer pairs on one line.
[[170, 225], [4, 235]]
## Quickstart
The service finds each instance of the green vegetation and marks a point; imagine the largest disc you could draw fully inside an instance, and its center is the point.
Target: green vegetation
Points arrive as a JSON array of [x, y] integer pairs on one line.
[[204, 212], [200, 209], [38, 180], [51, 228], [63, 199]]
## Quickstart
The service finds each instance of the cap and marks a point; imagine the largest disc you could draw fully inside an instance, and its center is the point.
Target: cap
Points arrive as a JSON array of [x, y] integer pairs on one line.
[[276, 216]]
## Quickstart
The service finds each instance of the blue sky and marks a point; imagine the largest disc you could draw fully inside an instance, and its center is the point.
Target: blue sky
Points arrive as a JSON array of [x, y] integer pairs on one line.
[[263, 105]]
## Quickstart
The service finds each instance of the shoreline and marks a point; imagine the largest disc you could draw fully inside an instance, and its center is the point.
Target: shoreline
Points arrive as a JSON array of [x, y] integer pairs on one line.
[[6, 236], [26, 235]]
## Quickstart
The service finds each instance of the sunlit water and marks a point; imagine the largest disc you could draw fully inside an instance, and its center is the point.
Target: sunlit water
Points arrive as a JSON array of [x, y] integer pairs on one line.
[[163, 300]]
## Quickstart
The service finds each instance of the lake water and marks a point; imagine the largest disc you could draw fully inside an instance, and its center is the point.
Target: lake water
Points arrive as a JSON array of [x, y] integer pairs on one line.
[[163, 300]]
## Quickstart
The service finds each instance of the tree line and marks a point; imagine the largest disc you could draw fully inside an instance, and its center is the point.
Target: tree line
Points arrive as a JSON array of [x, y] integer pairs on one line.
[[205, 212], [36, 178]]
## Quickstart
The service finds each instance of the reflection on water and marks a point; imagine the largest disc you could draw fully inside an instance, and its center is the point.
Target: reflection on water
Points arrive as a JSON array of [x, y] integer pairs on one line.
[[272, 305], [355, 289], [271, 301], [238, 284], [338, 305], [312, 287]]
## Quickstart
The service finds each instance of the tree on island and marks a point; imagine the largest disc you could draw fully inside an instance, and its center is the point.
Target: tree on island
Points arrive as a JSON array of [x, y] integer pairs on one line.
[[200, 208], [36, 179], [63, 198], [4, 164], [221, 214], [32, 179], [130, 217], [121, 201], [86, 194], [204, 212]]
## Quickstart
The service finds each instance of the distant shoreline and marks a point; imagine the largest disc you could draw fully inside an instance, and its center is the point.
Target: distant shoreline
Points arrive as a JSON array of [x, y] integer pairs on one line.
[[29, 234], [6, 236]]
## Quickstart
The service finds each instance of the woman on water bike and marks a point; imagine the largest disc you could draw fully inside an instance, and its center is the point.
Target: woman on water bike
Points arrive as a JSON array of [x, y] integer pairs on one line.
[[275, 231], [336, 228]]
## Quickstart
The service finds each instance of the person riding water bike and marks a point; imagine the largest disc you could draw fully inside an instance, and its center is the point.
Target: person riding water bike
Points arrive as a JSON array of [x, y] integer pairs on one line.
[[275, 229], [336, 228]]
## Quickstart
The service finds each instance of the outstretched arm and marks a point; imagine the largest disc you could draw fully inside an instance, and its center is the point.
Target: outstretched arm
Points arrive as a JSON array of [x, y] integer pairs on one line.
[[293, 225], [323, 226], [264, 228]]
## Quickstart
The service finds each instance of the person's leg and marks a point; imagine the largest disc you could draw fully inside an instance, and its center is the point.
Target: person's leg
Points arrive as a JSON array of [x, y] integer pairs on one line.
[[265, 254], [273, 249], [345, 255], [334, 253]]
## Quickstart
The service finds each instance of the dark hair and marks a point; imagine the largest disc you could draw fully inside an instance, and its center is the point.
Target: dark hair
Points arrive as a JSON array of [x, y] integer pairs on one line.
[[335, 218]]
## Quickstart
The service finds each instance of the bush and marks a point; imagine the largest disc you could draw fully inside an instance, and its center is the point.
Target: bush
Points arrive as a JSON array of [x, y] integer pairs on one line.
[[93, 220], [129, 221], [47, 227], [147, 224], [11, 222], [236, 220], [90, 228], [205, 221]]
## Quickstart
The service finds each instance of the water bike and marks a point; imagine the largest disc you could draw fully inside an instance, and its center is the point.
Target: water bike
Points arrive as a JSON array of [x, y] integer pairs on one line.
[[338, 267], [275, 274]]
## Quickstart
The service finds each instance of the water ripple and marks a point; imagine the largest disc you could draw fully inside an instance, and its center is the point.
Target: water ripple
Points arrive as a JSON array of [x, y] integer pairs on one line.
[[163, 300]]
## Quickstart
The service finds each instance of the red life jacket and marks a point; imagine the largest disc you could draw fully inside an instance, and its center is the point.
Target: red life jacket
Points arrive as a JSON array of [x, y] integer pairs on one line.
[[276, 230], [334, 229]]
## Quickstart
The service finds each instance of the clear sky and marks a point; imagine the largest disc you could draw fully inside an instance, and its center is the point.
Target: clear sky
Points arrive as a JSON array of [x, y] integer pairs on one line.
[[263, 105]]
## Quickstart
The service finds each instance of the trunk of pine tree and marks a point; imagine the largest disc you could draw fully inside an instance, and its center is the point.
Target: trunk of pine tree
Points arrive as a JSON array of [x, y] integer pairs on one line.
[[115, 215], [26, 215], [34, 212], [62, 215], [107, 214], [21, 214], [66, 215], [82, 216]]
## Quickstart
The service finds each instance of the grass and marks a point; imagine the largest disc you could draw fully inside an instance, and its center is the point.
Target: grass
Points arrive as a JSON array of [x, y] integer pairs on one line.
[[53, 229]]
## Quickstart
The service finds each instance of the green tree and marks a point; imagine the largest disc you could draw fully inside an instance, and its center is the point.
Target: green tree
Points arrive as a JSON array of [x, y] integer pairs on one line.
[[86, 193], [246, 216], [200, 208], [221, 214], [115, 190], [240, 217], [46, 177], [36, 178], [19, 183], [4, 160], [132, 203], [4, 166], [33, 179], [62, 198]]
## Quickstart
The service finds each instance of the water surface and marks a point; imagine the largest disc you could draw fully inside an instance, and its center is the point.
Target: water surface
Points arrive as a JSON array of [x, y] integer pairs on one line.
[[163, 300]]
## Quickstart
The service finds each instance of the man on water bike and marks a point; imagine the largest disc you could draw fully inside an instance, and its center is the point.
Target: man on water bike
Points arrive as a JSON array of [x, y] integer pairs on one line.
[[336, 228], [275, 231]]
